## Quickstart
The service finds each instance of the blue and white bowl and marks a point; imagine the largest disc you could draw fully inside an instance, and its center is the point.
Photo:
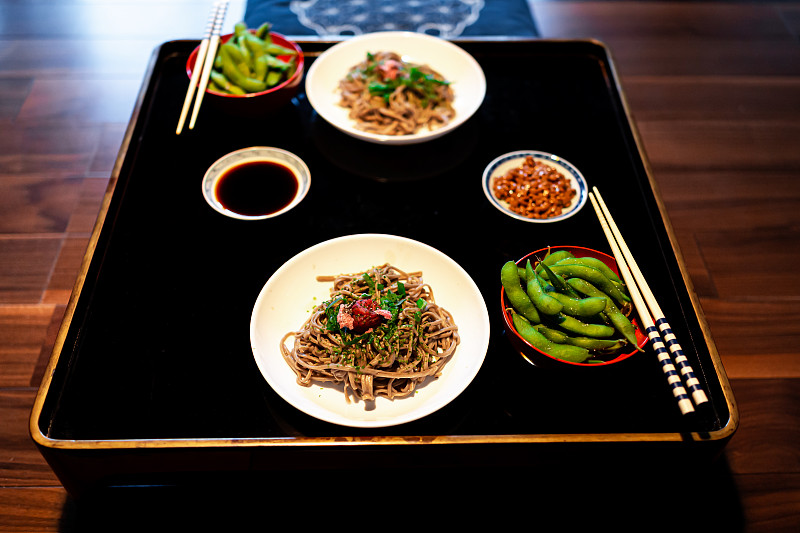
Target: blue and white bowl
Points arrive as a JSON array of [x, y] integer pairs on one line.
[[503, 164]]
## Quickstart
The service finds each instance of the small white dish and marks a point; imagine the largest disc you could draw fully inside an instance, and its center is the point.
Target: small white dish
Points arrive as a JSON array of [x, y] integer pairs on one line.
[[503, 164], [276, 182], [451, 61], [286, 300]]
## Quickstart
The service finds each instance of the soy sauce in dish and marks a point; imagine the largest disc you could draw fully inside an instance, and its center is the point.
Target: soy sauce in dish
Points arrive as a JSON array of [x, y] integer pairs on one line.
[[257, 188]]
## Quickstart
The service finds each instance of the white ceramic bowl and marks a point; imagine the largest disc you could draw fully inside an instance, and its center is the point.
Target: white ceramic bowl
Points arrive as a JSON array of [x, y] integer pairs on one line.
[[451, 61], [287, 192], [290, 294]]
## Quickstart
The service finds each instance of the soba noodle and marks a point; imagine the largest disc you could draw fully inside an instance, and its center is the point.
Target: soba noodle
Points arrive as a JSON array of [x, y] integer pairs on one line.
[[391, 97], [386, 352]]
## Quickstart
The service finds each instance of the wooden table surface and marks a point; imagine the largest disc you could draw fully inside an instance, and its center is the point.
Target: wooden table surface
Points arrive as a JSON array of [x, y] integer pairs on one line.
[[714, 88]]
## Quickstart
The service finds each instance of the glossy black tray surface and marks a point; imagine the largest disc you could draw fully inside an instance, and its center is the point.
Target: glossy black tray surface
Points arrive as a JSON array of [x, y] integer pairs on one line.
[[155, 349]]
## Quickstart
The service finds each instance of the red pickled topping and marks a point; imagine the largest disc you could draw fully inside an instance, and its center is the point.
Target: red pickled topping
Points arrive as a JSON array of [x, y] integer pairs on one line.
[[364, 315], [389, 69]]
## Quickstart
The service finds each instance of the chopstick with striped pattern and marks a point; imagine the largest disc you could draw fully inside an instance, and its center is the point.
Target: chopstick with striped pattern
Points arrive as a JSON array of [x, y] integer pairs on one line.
[[200, 62], [198, 67], [640, 291], [692, 383], [667, 366], [209, 63]]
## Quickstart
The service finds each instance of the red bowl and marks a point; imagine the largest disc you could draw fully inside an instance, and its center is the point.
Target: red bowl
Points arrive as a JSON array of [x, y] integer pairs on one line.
[[264, 101], [539, 358]]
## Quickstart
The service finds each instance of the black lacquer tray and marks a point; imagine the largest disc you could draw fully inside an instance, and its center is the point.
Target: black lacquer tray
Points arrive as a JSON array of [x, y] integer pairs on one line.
[[153, 376]]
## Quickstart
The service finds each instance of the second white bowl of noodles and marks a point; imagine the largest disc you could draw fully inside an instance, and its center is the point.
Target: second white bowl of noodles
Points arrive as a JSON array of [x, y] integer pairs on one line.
[[286, 301], [448, 59]]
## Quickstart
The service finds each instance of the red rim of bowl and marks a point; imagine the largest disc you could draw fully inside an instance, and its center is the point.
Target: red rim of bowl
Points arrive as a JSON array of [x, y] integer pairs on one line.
[[279, 39], [579, 251]]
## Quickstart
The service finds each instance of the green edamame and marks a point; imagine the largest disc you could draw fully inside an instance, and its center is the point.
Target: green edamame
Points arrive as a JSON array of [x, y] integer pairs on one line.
[[249, 60], [544, 302], [584, 307], [558, 282], [546, 285], [239, 29], [275, 49], [254, 44], [553, 335], [574, 325], [260, 68], [594, 263], [611, 312], [575, 300], [509, 278], [235, 68], [273, 78], [597, 345], [223, 84], [553, 257], [590, 343], [595, 277], [263, 31], [567, 352]]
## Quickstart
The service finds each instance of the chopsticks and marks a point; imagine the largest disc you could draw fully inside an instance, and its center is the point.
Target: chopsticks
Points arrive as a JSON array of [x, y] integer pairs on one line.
[[203, 64], [658, 329]]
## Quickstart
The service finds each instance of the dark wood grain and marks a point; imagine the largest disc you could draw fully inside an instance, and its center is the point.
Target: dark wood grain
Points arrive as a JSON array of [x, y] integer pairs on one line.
[[713, 88]]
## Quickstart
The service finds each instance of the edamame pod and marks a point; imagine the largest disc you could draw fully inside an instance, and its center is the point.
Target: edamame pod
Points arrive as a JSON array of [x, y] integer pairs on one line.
[[567, 352], [273, 77], [263, 31], [239, 29], [553, 335], [224, 84], [574, 325], [255, 46], [598, 345], [278, 50], [544, 302], [594, 263], [584, 307], [590, 343], [233, 51], [546, 285], [234, 55], [553, 257], [261, 68], [593, 276], [246, 66], [509, 277], [614, 315], [559, 282], [277, 63], [235, 75]]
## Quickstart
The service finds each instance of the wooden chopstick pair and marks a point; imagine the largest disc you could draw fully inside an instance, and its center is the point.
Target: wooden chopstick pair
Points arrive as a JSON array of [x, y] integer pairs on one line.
[[655, 323], [203, 64]]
